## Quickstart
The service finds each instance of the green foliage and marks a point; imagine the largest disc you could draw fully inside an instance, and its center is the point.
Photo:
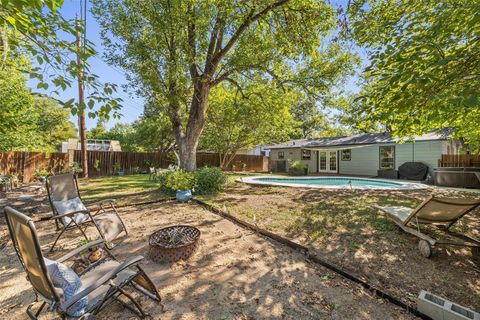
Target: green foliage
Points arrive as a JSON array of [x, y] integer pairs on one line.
[[96, 165], [176, 52], [174, 179], [117, 167], [17, 121], [27, 121], [42, 172], [424, 65], [75, 168], [32, 27], [310, 122], [297, 168], [53, 124], [257, 115], [210, 180]]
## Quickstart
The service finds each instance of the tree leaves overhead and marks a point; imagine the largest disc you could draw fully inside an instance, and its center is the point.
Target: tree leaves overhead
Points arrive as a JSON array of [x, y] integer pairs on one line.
[[177, 51], [425, 64], [37, 30], [257, 116]]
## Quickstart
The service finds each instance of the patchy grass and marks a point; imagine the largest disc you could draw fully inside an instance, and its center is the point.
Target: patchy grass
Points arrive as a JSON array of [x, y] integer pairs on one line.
[[343, 227], [124, 189]]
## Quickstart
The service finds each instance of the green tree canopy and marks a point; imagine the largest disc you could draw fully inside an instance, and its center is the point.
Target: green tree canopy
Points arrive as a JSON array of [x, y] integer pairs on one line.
[[52, 123], [38, 30], [178, 51], [260, 114], [17, 121], [424, 71], [311, 122]]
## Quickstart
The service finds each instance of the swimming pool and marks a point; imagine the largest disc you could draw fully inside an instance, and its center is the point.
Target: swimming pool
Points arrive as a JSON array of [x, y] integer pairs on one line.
[[333, 182]]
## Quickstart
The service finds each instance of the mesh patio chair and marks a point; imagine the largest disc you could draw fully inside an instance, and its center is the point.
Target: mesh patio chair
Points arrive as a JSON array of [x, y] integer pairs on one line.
[[69, 212], [101, 281], [440, 212]]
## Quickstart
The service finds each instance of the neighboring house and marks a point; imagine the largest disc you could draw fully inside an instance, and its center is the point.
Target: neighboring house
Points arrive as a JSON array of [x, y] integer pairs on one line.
[[92, 145], [362, 154], [258, 150]]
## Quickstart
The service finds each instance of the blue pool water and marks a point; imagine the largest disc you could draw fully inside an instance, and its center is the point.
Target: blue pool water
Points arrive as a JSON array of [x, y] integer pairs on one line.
[[334, 182]]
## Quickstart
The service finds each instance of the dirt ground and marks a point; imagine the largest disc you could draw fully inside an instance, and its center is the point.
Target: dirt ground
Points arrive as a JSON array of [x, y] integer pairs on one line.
[[234, 274], [342, 227]]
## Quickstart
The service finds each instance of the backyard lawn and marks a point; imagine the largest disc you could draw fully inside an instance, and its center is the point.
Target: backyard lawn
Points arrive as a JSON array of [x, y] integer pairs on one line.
[[124, 189], [340, 226]]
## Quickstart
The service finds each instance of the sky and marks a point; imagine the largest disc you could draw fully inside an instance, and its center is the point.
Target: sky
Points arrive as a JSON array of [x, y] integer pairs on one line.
[[132, 105]]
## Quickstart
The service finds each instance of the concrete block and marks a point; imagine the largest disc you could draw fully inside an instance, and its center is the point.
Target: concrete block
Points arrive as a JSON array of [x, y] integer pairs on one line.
[[431, 305], [439, 308]]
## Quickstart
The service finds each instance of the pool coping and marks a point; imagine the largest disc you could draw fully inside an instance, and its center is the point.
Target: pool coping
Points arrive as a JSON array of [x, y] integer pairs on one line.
[[403, 185]]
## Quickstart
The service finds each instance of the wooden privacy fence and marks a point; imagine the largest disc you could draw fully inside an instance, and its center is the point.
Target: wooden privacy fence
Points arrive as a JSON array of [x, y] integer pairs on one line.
[[101, 163], [24, 164], [459, 160], [241, 162]]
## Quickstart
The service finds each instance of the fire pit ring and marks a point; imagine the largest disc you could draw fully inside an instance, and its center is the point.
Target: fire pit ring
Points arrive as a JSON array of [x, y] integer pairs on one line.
[[173, 243]]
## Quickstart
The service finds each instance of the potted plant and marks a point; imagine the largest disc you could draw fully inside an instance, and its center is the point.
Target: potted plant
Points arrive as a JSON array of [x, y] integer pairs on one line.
[[5, 184], [41, 174], [117, 169]]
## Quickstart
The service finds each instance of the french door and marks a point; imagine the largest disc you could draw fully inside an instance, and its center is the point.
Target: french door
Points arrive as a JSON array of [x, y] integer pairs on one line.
[[327, 161]]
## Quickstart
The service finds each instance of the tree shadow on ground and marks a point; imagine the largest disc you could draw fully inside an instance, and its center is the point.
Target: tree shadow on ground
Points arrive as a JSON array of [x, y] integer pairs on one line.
[[234, 274]]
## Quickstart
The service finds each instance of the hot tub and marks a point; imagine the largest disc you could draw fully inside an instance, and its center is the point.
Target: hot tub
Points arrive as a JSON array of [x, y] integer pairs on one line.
[[462, 177]]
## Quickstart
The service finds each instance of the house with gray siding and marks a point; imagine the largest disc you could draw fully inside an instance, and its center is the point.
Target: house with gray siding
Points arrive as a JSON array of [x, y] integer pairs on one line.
[[362, 154]]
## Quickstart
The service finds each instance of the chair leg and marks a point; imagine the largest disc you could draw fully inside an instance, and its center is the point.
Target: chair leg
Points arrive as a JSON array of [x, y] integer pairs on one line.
[[30, 312], [137, 305], [64, 229], [58, 237]]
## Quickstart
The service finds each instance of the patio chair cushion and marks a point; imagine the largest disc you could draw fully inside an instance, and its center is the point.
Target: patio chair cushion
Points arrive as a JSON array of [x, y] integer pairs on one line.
[[71, 205], [68, 281]]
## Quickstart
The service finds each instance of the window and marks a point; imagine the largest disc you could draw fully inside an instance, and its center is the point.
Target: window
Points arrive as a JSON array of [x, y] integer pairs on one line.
[[347, 155], [323, 160], [281, 155], [387, 157], [333, 160], [306, 154]]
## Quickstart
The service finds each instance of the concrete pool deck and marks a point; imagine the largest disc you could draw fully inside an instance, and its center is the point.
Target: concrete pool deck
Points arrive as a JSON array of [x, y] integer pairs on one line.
[[285, 181]]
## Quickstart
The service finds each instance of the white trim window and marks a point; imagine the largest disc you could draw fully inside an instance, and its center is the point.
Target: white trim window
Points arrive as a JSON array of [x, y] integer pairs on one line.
[[387, 157]]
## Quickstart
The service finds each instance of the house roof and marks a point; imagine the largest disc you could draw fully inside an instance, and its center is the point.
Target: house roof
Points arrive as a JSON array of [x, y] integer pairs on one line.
[[359, 139]]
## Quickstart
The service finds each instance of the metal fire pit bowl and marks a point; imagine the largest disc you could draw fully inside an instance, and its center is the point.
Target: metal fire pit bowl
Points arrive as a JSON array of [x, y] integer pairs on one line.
[[173, 243]]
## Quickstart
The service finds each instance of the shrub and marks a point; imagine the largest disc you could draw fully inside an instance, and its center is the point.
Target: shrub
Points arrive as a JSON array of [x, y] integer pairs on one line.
[[297, 169], [172, 180], [210, 180]]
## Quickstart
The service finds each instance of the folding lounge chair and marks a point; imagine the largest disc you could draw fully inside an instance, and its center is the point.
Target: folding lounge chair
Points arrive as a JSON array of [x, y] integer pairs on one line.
[[101, 281], [69, 211], [441, 212]]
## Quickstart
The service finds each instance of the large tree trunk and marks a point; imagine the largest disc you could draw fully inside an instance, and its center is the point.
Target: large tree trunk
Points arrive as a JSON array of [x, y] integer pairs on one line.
[[188, 141]]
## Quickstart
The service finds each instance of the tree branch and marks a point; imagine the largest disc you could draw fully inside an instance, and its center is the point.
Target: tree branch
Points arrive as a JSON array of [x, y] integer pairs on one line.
[[210, 68]]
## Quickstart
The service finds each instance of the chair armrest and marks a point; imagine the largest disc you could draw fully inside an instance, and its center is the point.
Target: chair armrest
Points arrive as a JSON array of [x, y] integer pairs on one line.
[[69, 214], [108, 276], [75, 252]]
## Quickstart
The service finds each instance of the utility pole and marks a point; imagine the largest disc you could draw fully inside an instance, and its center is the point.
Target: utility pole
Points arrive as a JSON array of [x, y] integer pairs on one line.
[[81, 101]]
